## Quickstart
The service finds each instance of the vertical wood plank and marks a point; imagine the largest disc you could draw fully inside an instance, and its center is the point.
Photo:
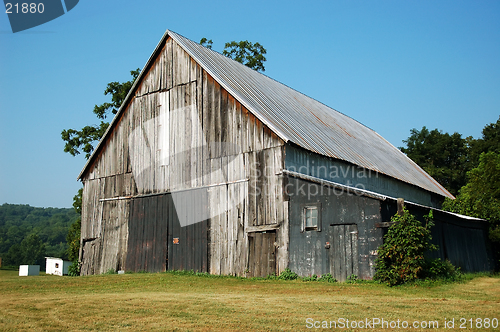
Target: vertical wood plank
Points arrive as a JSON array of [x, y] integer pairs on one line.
[[244, 140], [261, 183], [258, 135], [187, 136], [215, 231], [225, 262], [217, 120], [195, 144], [279, 185], [252, 188], [337, 256], [202, 115], [237, 128], [153, 231], [283, 240], [348, 251], [251, 132], [224, 124], [168, 70], [170, 211], [239, 261], [206, 125], [211, 123], [193, 67], [173, 168], [355, 253], [267, 142]]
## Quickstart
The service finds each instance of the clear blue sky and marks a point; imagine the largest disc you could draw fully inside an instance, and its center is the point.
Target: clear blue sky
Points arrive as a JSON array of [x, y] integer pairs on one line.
[[391, 65]]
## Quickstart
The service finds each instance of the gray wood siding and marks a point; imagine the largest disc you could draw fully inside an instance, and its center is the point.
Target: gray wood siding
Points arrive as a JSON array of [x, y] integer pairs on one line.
[[326, 168], [106, 246], [183, 131], [308, 254]]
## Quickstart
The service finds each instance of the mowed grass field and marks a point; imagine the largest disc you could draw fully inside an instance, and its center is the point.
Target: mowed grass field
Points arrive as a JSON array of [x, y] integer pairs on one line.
[[173, 302]]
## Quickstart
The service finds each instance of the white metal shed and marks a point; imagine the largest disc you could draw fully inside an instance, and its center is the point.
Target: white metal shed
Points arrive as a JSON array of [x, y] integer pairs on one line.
[[56, 266], [29, 270]]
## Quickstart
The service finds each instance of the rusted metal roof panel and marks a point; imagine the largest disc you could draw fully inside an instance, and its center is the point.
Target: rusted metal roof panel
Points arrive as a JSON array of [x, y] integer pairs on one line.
[[306, 122]]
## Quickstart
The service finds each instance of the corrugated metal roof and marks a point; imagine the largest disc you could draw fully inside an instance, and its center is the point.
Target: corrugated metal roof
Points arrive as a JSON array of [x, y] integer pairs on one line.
[[306, 122], [297, 118]]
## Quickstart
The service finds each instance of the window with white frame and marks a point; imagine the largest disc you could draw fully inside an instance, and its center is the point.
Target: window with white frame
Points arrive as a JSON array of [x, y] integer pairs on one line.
[[311, 218]]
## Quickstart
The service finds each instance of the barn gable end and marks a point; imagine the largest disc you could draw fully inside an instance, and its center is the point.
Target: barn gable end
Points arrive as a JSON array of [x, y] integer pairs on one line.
[[180, 132]]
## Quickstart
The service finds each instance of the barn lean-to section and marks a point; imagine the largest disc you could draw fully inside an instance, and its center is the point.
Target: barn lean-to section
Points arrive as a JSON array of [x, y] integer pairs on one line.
[[204, 166]]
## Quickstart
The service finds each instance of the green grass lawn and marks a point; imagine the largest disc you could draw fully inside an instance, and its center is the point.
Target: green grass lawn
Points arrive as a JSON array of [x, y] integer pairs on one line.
[[174, 302]]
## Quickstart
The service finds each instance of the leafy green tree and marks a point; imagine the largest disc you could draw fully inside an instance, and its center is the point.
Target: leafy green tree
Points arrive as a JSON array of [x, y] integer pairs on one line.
[[83, 140], [73, 240], [489, 142], [448, 158], [77, 201], [245, 52], [480, 198], [14, 256], [206, 43], [445, 157]]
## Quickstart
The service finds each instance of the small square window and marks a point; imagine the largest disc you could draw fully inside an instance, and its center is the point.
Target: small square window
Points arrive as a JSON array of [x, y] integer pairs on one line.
[[311, 219], [311, 215]]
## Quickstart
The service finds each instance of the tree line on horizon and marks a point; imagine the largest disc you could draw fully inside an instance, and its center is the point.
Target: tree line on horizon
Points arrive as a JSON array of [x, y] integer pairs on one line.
[[29, 234]]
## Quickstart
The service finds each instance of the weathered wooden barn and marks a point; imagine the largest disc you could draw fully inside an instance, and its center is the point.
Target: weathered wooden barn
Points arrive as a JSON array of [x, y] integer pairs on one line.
[[212, 166]]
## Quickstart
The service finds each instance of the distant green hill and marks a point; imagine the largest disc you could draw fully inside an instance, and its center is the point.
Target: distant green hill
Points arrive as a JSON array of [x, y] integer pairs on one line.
[[17, 222]]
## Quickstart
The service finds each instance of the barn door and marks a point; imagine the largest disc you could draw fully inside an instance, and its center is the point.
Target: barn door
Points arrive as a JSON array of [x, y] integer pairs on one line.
[[262, 254], [344, 251]]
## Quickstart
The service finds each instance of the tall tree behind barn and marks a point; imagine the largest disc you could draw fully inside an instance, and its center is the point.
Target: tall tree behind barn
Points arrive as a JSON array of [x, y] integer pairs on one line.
[[204, 168]]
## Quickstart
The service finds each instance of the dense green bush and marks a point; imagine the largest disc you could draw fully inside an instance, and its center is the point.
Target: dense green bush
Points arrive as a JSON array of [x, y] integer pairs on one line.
[[352, 279], [438, 269], [287, 274], [327, 278], [310, 278], [401, 257], [74, 269]]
